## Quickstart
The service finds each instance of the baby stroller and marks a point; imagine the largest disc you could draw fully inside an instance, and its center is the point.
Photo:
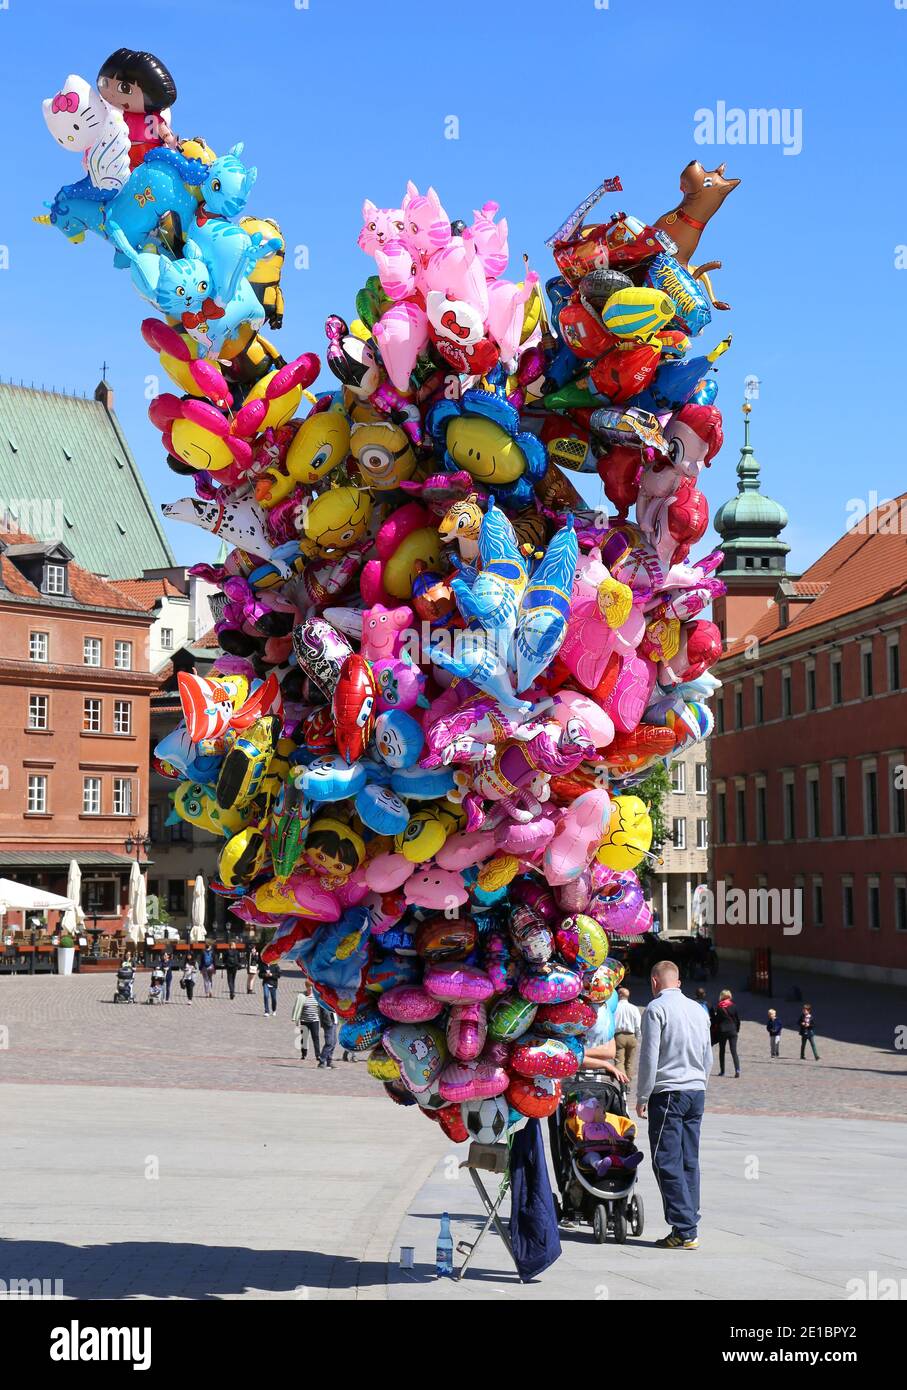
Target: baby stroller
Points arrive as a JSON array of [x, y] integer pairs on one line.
[[593, 1145], [125, 985], [156, 992]]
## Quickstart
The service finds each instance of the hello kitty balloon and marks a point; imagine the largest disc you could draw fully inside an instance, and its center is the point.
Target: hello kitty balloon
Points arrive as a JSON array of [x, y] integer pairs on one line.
[[81, 120]]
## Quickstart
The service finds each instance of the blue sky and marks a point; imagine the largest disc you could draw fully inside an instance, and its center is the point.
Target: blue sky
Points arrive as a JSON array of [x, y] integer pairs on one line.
[[343, 99]]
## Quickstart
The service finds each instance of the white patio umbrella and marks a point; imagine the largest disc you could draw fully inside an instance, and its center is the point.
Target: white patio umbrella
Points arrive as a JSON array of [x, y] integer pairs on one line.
[[197, 914], [140, 908], [21, 897], [74, 917]]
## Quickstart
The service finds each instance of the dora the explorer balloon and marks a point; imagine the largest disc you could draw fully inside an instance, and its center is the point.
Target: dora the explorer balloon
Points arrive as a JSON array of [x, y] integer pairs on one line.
[[141, 87]]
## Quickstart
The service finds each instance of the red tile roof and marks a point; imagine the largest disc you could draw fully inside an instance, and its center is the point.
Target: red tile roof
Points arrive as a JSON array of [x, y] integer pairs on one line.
[[84, 587], [147, 592], [866, 566]]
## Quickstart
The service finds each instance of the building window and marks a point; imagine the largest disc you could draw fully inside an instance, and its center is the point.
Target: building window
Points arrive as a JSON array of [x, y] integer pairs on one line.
[[759, 693], [100, 895], [154, 821], [738, 708], [761, 813], [813, 822], [167, 638], [898, 772], [91, 651], [122, 716], [180, 832], [176, 895], [721, 817], [866, 669], [702, 833], [847, 917], [810, 686], [837, 683], [91, 716], [740, 807], [702, 779], [900, 904], [122, 796], [719, 715], [37, 646], [680, 832], [839, 799], [894, 663], [91, 796], [55, 579], [37, 794], [122, 656], [786, 688], [790, 807], [874, 905], [818, 903], [870, 801], [37, 711], [678, 777]]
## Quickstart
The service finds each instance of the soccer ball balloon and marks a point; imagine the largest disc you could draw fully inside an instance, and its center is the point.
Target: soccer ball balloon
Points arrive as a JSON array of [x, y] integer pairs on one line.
[[486, 1119]]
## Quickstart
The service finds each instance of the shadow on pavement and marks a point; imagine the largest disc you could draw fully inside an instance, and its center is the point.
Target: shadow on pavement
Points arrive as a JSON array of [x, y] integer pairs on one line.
[[160, 1270]]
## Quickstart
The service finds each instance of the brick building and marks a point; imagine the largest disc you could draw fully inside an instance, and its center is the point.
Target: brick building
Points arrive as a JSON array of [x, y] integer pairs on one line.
[[685, 852], [809, 755], [74, 723]]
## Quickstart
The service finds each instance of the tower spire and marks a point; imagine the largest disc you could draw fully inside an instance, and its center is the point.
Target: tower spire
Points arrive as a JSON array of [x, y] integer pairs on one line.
[[750, 524]]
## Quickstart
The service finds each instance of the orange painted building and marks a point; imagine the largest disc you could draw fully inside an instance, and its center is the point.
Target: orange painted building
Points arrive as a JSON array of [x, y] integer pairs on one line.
[[75, 689]]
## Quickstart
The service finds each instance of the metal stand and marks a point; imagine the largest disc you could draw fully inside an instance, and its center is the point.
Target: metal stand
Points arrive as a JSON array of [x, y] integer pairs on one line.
[[488, 1158]]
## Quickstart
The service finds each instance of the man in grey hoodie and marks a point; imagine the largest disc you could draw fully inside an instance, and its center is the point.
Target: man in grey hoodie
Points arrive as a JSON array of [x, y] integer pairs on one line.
[[675, 1059]]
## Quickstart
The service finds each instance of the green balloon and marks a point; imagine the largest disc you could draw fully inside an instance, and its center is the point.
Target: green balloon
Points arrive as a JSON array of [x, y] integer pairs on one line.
[[510, 1018]]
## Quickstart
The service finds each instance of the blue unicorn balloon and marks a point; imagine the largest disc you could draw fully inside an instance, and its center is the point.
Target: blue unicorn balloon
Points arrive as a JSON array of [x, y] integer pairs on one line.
[[474, 660], [545, 608], [161, 186], [493, 600]]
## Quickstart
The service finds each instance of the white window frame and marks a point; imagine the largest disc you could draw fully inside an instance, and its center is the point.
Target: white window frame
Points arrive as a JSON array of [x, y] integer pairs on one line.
[[679, 824], [678, 770], [122, 648], [813, 803], [704, 779], [702, 832], [43, 722], [122, 785], [37, 803], [36, 646], [167, 639], [57, 573], [118, 707], [86, 726], [93, 646], [91, 804]]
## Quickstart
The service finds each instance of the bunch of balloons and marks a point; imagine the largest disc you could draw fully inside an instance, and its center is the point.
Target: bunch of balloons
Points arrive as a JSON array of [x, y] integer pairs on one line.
[[443, 672]]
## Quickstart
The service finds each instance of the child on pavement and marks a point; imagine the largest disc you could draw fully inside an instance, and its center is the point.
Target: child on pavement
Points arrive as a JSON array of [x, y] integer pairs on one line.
[[773, 1028]]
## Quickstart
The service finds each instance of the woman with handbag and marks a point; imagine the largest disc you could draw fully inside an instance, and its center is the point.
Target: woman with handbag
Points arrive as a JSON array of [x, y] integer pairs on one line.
[[727, 1026], [188, 978]]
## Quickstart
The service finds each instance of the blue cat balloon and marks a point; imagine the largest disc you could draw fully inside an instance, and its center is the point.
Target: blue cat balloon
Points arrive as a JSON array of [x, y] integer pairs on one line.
[[493, 599], [545, 609]]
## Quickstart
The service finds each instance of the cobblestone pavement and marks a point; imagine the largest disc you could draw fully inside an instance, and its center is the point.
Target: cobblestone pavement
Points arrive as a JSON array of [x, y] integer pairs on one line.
[[67, 1030]]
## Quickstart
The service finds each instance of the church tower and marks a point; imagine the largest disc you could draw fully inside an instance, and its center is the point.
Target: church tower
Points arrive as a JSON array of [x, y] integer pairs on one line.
[[750, 527]]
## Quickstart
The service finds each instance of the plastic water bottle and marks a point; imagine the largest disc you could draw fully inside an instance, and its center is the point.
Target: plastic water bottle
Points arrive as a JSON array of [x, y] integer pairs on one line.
[[444, 1249]]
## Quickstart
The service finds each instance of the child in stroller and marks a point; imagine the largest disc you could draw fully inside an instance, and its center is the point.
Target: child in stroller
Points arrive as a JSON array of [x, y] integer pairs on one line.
[[593, 1143], [125, 984], [156, 992]]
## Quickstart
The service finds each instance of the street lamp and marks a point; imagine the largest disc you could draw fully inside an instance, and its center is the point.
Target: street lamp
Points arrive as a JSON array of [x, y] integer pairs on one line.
[[137, 843]]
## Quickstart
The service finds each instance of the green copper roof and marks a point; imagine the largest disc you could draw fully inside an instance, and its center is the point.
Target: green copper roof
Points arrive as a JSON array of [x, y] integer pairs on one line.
[[67, 473], [750, 516]]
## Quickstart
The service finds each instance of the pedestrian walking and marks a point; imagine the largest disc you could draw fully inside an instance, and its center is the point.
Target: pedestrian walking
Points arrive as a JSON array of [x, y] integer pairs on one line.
[[269, 974], [702, 1000], [208, 967], [675, 1059], [627, 1025], [231, 965], [807, 1027], [188, 979], [306, 1016], [727, 1027], [328, 1021], [167, 966], [252, 970], [773, 1028]]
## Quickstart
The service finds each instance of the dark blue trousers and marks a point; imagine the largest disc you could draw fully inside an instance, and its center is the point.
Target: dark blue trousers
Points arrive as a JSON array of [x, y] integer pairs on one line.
[[675, 1119]]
